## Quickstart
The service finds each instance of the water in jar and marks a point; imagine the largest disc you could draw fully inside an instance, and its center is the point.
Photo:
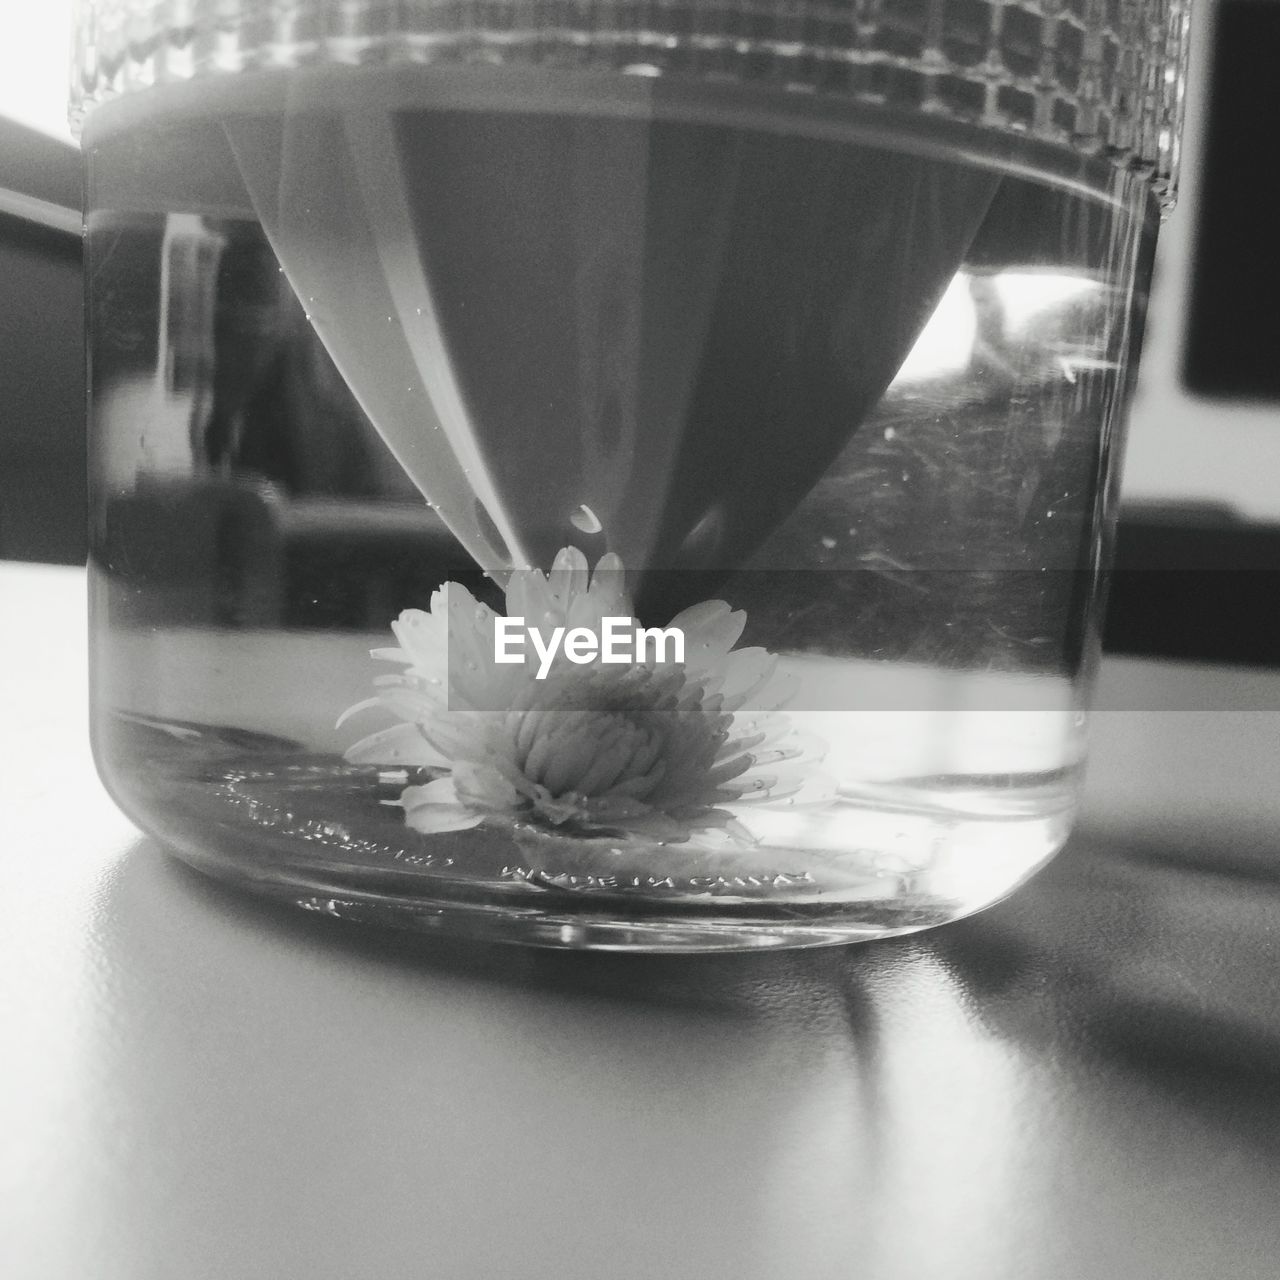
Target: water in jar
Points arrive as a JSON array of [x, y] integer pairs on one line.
[[359, 333]]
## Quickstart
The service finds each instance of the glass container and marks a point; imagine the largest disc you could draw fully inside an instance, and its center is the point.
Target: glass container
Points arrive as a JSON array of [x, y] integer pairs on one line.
[[610, 474]]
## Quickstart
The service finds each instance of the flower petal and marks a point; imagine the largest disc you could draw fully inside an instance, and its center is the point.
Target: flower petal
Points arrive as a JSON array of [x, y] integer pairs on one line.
[[485, 789], [710, 629], [744, 674], [367, 704], [421, 634], [606, 597], [407, 699], [434, 820], [789, 787], [402, 744], [529, 598], [434, 809]]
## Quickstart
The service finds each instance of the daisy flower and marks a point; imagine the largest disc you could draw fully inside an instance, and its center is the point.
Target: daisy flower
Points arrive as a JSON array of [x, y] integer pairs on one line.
[[652, 749]]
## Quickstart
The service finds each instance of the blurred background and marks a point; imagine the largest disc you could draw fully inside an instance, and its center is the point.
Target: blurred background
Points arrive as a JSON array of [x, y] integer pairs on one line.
[[1199, 545]]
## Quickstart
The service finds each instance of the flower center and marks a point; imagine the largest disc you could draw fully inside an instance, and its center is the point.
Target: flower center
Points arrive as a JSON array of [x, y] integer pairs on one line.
[[590, 753]]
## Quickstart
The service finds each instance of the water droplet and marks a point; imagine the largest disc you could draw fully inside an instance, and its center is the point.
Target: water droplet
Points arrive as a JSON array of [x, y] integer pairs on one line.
[[703, 540], [889, 433]]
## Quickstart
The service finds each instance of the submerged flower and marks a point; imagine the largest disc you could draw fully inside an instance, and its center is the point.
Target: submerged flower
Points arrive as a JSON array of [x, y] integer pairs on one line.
[[652, 748]]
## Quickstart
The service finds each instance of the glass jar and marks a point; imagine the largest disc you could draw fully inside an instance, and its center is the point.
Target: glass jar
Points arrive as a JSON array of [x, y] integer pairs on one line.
[[612, 475]]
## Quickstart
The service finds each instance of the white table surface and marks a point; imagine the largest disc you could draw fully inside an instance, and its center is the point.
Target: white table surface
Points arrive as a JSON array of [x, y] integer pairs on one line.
[[1083, 1082]]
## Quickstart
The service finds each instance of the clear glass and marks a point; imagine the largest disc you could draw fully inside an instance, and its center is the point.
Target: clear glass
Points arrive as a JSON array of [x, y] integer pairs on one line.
[[829, 380]]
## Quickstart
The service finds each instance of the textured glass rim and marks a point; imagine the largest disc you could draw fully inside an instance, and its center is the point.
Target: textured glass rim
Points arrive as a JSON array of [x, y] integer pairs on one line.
[[1099, 78]]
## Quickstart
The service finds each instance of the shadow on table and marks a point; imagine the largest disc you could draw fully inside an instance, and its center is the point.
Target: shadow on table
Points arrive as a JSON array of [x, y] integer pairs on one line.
[[790, 985], [492, 1111], [1080, 1082], [1167, 969]]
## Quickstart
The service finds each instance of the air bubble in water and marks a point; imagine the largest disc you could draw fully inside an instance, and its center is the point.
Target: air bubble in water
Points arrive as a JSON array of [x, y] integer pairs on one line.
[[586, 520]]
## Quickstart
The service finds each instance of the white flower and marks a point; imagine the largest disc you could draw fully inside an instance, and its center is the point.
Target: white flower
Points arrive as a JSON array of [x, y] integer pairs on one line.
[[656, 750]]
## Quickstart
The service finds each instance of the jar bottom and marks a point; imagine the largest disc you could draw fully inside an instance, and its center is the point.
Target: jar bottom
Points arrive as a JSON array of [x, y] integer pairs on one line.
[[308, 830], [568, 926]]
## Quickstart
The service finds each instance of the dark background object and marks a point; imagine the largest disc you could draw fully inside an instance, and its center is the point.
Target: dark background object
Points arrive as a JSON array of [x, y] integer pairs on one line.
[[1193, 584], [42, 441], [1233, 328]]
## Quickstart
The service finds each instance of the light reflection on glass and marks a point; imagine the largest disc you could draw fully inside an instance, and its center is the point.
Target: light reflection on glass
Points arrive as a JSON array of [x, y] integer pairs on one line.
[[948, 341]]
